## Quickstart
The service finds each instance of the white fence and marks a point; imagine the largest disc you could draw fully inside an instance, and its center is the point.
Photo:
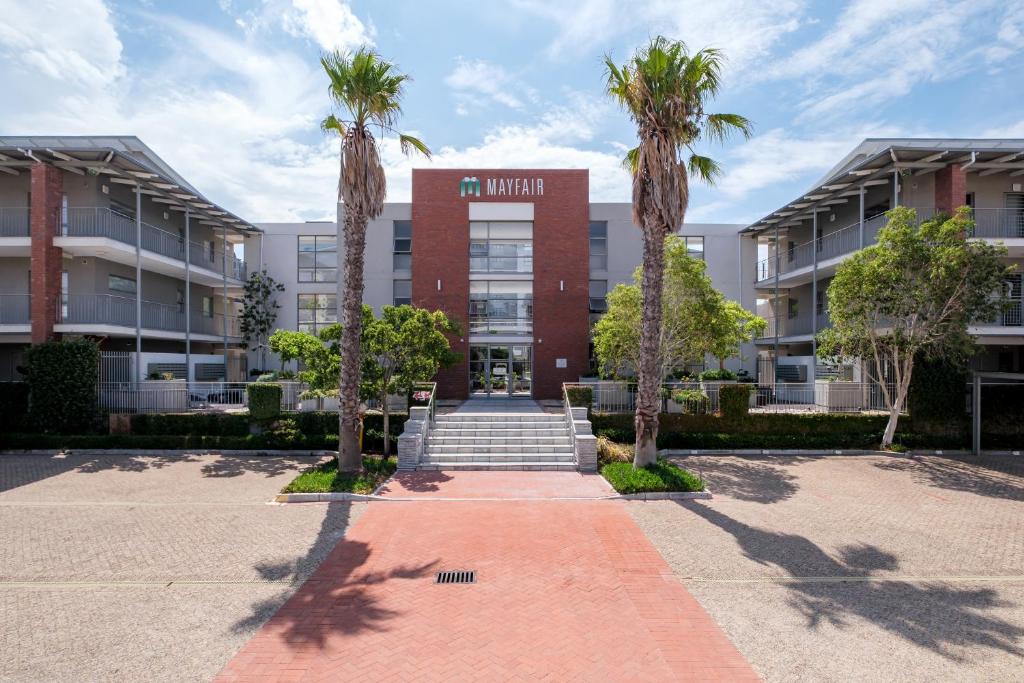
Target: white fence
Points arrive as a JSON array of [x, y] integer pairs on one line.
[[178, 396], [700, 398]]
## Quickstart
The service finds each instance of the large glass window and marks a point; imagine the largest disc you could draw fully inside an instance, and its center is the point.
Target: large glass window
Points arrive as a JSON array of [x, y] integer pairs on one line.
[[500, 307], [318, 258], [402, 246], [402, 293], [598, 302], [694, 246], [598, 245], [317, 311], [121, 284], [501, 247]]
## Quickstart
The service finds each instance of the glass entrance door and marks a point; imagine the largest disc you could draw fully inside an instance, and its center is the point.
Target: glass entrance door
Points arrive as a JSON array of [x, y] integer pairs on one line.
[[500, 369]]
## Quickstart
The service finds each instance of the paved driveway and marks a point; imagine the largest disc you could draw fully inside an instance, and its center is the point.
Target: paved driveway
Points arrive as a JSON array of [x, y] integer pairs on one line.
[[147, 568], [856, 568]]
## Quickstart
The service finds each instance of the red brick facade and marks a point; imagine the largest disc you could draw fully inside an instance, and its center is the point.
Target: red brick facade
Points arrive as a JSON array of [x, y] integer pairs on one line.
[[440, 252], [950, 188], [46, 260]]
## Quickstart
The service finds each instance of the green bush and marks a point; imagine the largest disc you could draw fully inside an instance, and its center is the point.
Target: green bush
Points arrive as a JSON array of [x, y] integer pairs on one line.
[[264, 401], [694, 401], [662, 476], [937, 391], [200, 424], [284, 435], [62, 385], [13, 406], [717, 375], [734, 401], [580, 397]]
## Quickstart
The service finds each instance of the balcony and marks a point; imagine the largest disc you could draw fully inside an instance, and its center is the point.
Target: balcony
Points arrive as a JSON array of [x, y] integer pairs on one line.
[[101, 232], [14, 221], [15, 312], [999, 223], [790, 330], [501, 264], [115, 315], [495, 325]]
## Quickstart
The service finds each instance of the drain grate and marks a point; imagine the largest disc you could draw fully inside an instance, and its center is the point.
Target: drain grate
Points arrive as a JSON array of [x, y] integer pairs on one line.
[[456, 576]]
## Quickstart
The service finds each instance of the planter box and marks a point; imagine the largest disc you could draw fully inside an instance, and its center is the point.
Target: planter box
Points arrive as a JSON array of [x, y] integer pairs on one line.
[[839, 396]]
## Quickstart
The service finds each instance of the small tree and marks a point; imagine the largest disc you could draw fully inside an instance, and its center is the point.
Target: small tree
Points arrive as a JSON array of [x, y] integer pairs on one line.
[[259, 312], [404, 346], [915, 292], [319, 358], [696, 319]]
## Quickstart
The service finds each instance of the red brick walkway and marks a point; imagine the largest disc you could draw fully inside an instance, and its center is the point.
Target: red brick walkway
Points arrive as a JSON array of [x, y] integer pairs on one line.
[[566, 590], [509, 485]]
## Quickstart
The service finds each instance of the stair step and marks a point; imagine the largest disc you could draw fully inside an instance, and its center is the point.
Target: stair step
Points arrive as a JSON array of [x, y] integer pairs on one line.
[[436, 467], [500, 417], [522, 439], [499, 433], [500, 448], [503, 457]]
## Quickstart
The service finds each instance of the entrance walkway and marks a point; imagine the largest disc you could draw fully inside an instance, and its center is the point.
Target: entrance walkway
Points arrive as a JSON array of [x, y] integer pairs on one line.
[[497, 405], [565, 590]]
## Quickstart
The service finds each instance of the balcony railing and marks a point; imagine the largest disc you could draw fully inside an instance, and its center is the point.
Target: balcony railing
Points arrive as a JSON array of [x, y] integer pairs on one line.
[[494, 325], [995, 223], [15, 309], [103, 222], [791, 327], [501, 264], [1012, 315], [14, 221], [107, 309]]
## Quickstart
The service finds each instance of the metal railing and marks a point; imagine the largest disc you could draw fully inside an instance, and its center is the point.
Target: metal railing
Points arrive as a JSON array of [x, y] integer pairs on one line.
[[15, 309], [994, 223], [100, 221], [1012, 315], [494, 325], [703, 398], [14, 221], [179, 396], [501, 264], [108, 309]]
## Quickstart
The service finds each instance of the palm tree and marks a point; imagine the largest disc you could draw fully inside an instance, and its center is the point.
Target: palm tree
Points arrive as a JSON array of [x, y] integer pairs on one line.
[[664, 89], [369, 92]]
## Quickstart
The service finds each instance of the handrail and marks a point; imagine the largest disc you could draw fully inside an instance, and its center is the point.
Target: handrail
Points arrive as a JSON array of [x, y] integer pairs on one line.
[[14, 221], [15, 309]]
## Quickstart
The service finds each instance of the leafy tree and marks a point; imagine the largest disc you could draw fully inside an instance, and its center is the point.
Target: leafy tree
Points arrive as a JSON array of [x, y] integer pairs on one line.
[[320, 358], [914, 292], [665, 90], [259, 311], [696, 319], [369, 92], [406, 345]]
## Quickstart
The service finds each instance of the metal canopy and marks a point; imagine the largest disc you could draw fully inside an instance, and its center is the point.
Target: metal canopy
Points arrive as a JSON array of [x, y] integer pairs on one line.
[[127, 160], [872, 161]]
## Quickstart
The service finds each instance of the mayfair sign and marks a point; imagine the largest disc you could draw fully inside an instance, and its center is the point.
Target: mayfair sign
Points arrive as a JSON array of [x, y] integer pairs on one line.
[[501, 187]]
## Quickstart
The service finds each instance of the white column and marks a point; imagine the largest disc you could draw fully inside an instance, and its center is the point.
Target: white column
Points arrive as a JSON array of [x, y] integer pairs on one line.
[[138, 283], [188, 296], [224, 268], [814, 293]]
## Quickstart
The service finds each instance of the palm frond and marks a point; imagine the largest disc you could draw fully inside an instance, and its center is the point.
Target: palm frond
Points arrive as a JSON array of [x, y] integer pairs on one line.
[[333, 124], [631, 161], [720, 126], [704, 168], [409, 143]]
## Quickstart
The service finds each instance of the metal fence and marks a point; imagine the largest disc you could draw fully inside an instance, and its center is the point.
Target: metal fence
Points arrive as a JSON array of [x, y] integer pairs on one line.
[[699, 398], [178, 396]]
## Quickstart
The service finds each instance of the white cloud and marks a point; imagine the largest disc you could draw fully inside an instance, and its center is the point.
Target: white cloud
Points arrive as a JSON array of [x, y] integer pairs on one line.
[[331, 24], [477, 81]]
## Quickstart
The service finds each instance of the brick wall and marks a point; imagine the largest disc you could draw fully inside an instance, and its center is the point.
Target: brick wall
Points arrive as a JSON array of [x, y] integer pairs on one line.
[[440, 218], [47, 184], [950, 188]]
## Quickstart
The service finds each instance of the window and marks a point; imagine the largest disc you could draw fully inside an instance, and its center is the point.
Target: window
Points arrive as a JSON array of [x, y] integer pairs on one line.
[[211, 251], [598, 292], [792, 308], [598, 245], [117, 283], [501, 247], [694, 246], [207, 306], [821, 305], [402, 246], [500, 307], [63, 293], [317, 311], [179, 298], [318, 258], [402, 294]]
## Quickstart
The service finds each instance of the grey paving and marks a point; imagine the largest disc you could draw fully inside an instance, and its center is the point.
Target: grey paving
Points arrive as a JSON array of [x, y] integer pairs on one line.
[[135, 568], [858, 568]]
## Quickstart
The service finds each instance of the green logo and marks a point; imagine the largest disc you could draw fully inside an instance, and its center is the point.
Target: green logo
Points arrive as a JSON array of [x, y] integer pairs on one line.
[[470, 186]]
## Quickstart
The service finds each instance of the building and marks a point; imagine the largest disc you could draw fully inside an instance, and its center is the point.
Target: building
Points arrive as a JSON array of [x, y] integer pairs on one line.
[[100, 238], [521, 258], [800, 245]]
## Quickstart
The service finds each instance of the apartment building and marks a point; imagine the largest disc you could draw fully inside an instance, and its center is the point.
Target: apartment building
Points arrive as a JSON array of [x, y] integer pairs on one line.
[[800, 245], [101, 238], [519, 257]]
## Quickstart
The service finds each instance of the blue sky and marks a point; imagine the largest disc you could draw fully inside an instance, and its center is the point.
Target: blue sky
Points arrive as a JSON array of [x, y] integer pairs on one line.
[[230, 93]]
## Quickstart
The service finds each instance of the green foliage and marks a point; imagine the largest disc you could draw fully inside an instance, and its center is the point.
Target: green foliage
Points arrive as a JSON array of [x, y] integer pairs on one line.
[[284, 434], [62, 379], [14, 406], [264, 400], [661, 476], [717, 375], [324, 478], [734, 401], [405, 346], [580, 397], [696, 319], [694, 401], [206, 424], [937, 390], [319, 354], [259, 310]]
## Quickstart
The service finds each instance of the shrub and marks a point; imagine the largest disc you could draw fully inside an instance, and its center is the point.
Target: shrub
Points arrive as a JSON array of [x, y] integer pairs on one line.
[[937, 391], [264, 401], [580, 397], [734, 401], [610, 451], [284, 434], [717, 375], [62, 385], [661, 476], [197, 424], [13, 406], [694, 401]]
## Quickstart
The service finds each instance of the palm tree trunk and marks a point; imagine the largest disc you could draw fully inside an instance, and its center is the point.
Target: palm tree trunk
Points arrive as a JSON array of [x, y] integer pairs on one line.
[[349, 455], [648, 376]]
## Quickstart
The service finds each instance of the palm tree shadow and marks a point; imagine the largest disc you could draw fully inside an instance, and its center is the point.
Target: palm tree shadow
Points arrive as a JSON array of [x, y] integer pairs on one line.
[[757, 479], [992, 476], [328, 594], [423, 481], [935, 616]]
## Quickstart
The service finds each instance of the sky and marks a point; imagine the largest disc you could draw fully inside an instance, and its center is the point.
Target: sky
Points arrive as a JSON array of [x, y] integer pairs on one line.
[[231, 93]]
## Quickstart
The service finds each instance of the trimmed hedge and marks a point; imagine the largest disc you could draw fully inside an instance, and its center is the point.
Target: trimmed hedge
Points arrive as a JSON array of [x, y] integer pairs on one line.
[[14, 406], [62, 385], [264, 401], [937, 391], [207, 424], [734, 400], [580, 397]]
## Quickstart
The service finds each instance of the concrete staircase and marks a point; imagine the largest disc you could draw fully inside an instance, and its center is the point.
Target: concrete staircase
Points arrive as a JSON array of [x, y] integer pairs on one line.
[[504, 441]]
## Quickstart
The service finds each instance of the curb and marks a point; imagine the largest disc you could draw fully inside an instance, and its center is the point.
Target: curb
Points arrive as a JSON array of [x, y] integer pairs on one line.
[[178, 452], [325, 497], [669, 452], [665, 495], [370, 497]]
